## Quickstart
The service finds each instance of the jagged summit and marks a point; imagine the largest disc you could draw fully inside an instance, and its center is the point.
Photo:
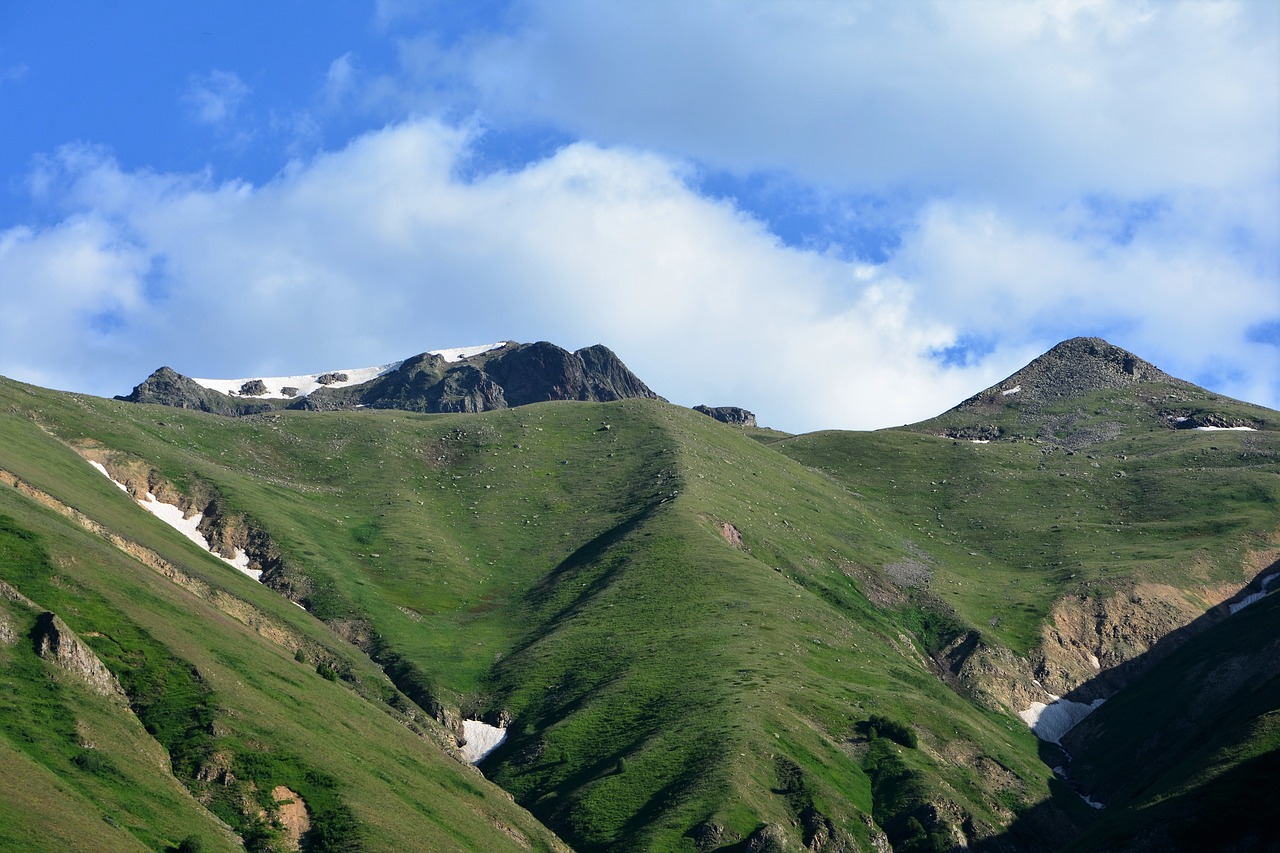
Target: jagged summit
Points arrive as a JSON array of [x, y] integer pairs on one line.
[[466, 379], [1073, 367]]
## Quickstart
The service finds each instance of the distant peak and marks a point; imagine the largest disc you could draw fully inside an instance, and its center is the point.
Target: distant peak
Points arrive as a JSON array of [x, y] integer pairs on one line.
[[1074, 367]]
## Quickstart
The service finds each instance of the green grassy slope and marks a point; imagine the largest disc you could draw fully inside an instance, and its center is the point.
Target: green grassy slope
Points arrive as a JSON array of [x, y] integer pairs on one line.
[[234, 713], [688, 625]]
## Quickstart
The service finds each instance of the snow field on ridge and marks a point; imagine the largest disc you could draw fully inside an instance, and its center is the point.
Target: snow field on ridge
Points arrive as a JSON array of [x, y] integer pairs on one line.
[[307, 383]]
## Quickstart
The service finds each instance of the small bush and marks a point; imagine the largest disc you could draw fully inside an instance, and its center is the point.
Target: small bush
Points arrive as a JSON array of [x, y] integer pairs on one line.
[[190, 844], [899, 733], [92, 761]]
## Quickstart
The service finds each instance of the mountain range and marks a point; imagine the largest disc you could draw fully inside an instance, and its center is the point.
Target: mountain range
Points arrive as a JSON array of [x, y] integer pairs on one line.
[[505, 597]]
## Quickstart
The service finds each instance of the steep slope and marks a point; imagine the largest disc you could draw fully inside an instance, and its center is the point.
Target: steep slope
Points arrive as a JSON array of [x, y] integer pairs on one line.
[[699, 636], [676, 664], [474, 379], [230, 693], [1186, 760]]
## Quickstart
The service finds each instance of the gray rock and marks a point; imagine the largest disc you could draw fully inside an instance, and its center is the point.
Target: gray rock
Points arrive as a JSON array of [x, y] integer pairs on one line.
[[728, 415], [512, 375], [57, 643]]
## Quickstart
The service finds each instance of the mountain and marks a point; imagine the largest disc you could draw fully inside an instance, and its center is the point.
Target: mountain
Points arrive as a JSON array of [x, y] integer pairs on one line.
[[470, 379], [688, 635], [1047, 400]]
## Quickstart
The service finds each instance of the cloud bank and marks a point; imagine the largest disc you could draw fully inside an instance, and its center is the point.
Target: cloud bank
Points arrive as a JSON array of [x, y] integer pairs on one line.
[[384, 249]]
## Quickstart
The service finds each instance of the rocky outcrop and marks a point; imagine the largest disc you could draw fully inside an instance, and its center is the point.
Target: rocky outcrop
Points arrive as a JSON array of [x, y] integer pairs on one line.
[[731, 415], [510, 375], [167, 387], [59, 645]]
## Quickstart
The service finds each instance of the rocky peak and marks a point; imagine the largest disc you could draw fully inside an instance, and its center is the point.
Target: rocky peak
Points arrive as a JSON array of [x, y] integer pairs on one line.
[[498, 378], [1072, 368]]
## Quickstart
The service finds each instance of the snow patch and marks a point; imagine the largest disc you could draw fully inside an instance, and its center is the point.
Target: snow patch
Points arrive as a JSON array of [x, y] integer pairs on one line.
[[1094, 662], [307, 383], [172, 515], [1014, 390], [1224, 429], [1254, 596], [481, 739], [1050, 722], [980, 440]]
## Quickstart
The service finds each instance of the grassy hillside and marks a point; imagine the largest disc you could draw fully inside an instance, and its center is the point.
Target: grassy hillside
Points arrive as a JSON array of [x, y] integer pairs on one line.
[[702, 637]]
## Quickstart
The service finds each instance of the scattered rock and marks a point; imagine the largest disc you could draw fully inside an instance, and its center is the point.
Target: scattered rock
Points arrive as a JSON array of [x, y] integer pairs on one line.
[[253, 388], [332, 378]]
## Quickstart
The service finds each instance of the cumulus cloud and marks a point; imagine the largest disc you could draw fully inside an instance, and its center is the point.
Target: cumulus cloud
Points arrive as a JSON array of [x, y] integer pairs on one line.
[[382, 249]]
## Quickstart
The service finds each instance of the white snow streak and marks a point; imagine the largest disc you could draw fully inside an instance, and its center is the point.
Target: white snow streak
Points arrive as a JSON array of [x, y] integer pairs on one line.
[[1254, 596], [307, 383], [1014, 390], [172, 515]]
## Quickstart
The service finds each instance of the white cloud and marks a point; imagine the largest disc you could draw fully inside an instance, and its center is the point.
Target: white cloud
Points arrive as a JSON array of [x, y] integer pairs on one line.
[[380, 250], [214, 98], [987, 98]]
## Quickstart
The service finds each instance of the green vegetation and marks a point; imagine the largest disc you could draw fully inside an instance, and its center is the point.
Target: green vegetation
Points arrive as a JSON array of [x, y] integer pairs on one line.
[[695, 630]]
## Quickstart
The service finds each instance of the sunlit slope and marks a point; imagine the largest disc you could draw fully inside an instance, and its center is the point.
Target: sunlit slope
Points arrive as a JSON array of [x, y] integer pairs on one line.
[[1010, 527], [673, 617], [688, 627], [225, 703]]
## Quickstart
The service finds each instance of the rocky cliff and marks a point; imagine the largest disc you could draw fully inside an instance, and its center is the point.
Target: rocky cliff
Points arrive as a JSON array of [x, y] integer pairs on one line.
[[509, 375]]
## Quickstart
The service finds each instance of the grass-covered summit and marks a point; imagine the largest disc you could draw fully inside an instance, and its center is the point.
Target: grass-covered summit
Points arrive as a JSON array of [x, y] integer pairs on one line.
[[698, 636]]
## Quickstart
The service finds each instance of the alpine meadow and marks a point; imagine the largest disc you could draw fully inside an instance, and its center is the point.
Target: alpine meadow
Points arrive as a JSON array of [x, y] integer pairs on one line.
[[508, 598]]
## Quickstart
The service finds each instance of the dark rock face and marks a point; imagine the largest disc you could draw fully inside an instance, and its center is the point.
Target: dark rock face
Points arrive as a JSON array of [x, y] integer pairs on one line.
[[512, 375], [170, 388], [253, 388], [728, 415]]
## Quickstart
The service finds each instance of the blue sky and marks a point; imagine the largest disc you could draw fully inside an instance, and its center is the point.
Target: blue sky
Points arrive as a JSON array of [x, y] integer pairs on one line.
[[835, 214]]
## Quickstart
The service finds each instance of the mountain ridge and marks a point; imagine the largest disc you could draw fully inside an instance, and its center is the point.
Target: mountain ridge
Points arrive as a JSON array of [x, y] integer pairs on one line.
[[475, 379]]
